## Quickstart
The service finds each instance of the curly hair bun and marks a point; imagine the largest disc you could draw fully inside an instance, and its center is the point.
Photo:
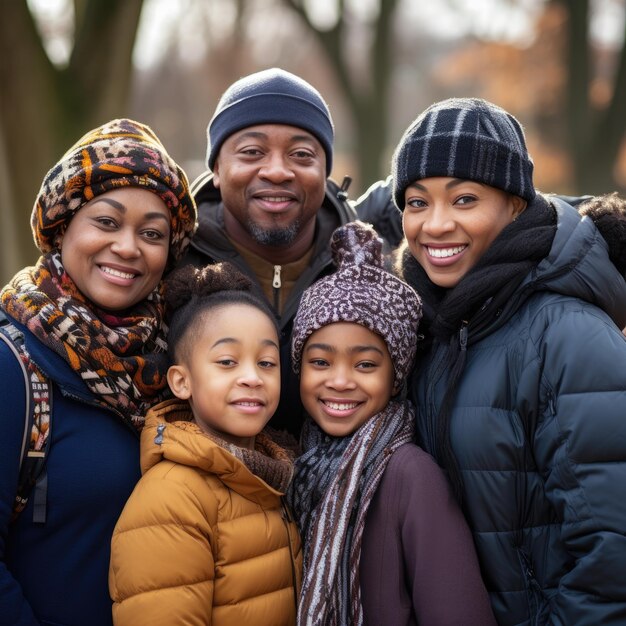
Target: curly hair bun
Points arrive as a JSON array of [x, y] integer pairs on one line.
[[187, 282]]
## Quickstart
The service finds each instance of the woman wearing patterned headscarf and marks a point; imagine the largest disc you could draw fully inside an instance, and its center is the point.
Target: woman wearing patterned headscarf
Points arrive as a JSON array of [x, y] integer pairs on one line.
[[111, 217]]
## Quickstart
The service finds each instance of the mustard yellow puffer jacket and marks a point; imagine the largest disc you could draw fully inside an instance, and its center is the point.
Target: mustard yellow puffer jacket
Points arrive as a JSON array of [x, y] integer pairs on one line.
[[202, 540]]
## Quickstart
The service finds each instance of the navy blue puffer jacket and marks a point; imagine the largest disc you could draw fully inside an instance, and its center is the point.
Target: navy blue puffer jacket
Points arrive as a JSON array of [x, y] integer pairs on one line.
[[538, 427]]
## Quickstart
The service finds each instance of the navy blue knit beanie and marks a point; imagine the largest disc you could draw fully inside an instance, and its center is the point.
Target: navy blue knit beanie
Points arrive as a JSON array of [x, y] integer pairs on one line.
[[272, 96], [466, 138]]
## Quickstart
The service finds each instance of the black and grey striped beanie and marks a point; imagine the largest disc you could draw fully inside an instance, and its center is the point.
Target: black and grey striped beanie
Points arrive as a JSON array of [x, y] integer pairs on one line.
[[363, 292], [466, 138]]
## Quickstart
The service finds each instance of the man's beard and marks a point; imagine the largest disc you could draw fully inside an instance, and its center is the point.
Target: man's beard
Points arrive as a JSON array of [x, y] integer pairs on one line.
[[274, 237]]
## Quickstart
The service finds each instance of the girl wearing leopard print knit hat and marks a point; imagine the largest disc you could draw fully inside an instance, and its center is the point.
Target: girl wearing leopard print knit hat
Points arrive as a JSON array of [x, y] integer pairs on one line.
[[384, 541], [519, 391], [111, 216]]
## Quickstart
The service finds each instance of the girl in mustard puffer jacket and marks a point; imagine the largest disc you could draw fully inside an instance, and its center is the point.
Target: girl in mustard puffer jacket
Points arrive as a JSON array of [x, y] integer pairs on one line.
[[205, 537]]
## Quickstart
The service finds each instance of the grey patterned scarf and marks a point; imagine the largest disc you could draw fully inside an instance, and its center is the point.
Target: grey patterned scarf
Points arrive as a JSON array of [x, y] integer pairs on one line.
[[335, 480]]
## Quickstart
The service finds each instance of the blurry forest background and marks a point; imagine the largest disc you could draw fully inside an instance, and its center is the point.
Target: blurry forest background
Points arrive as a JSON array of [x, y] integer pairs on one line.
[[67, 66]]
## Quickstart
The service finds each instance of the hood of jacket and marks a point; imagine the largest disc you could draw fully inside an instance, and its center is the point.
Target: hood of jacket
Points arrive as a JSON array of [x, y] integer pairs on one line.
[[578, 265], [169, 434]]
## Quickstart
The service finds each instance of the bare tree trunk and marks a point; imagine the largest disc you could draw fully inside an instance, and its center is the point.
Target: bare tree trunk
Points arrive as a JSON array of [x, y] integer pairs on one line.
[[372, 114], [44, 109], [29, 112], [10, 244], [595, 137], [611, 133]]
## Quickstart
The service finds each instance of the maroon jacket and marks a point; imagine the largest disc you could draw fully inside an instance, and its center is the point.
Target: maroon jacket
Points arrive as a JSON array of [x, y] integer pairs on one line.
[[418, 562]]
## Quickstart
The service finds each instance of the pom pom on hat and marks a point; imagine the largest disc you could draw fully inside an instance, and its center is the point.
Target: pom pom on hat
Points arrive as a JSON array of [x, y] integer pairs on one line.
[[271, 96], [363, 292], [466, 138], [118, 154]]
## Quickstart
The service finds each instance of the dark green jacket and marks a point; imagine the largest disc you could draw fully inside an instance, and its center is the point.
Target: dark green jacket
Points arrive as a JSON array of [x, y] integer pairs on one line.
[[538, 427]]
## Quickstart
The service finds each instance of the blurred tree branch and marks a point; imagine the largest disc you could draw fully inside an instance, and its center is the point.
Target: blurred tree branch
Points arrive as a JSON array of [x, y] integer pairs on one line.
[[367, 97]]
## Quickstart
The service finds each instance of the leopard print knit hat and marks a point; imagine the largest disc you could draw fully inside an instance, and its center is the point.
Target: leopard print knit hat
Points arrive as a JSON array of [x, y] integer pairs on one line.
[[363, 292]]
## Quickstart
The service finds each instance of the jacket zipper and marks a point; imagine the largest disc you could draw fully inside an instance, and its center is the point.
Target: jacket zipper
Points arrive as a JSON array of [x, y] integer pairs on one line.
[[83, 400], [288, 519], [535, 593], [333, 199], [277, 284], [433, 375]]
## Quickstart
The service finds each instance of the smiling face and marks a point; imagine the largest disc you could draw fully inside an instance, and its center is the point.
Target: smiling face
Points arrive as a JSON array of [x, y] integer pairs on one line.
[[230, 372], [272, 180], [449, 224], [116, 246], [346, 377]]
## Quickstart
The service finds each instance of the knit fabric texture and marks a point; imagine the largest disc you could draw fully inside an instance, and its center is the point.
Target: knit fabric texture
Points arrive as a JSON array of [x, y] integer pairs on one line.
[[330, 495], [120, 356], [466, 138], [363, 292], [271, 96], [120, 153]]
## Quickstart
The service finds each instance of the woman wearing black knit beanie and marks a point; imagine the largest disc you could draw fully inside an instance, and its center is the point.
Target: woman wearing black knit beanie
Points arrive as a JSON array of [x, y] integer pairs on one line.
[[520, 387]]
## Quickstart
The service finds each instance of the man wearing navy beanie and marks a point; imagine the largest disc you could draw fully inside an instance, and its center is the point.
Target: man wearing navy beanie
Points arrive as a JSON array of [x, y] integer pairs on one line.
[[267, 203], [272, 96]]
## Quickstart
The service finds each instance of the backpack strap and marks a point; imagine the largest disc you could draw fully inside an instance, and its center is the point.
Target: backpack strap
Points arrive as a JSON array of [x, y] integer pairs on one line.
[[12, 337], [36, 426]]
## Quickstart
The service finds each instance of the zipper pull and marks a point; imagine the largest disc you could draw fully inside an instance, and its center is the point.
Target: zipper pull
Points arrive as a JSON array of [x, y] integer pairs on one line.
[[342, 194], [159, 438], [463, 336], [276, 282]]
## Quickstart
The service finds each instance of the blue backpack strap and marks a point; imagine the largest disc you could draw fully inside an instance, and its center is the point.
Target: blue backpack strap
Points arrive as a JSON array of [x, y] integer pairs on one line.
[[13, 338], [37, 423]]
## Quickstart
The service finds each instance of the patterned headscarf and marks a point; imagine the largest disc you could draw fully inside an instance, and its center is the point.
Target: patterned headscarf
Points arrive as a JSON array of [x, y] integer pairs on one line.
[[363, 292], [120, 153], [120, 356]]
